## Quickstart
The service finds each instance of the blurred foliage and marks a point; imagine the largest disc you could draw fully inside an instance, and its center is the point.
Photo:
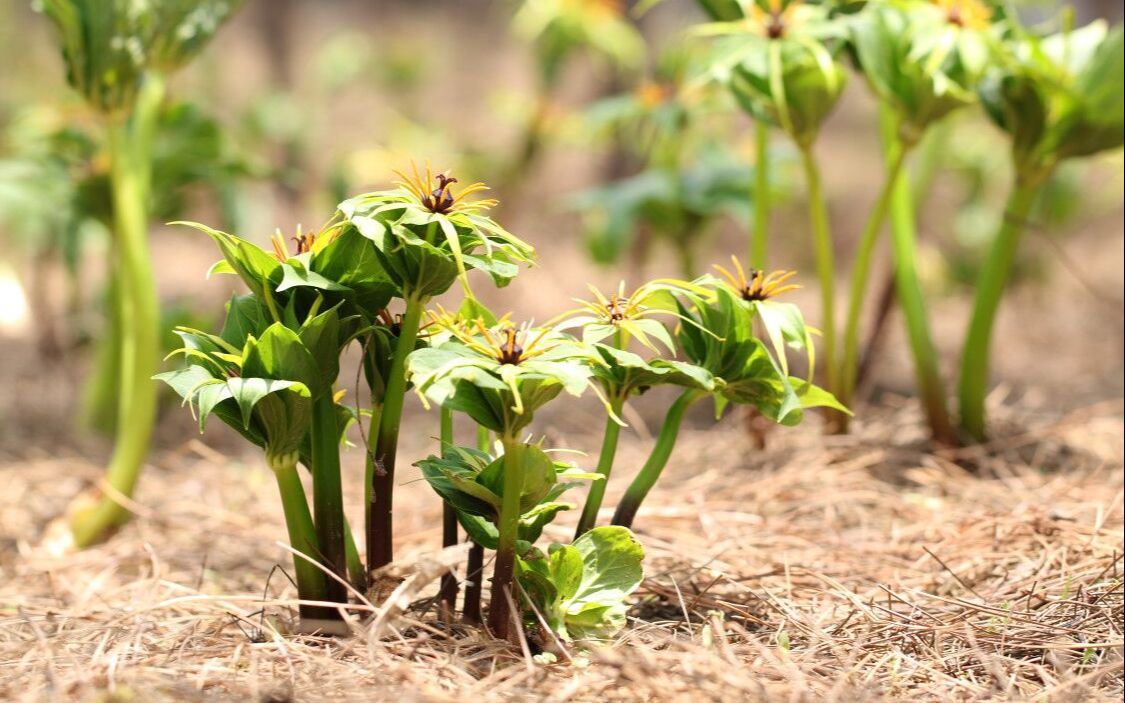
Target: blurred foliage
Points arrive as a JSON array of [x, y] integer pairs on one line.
[[108, 45], [560, 28], [689, 176]]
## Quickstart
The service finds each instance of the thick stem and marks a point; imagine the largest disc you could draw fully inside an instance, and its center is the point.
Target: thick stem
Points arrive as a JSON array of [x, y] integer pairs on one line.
[[357, 575], [594, 499], [661, 452], [910, 296], [100, 394], [825, 266], [130, 156], [311, 581], [759, 236], [474, 573], [474, 569], [449, 587], [861, 271], [990, 288], [499, 609], [380, 535], [328, 493]]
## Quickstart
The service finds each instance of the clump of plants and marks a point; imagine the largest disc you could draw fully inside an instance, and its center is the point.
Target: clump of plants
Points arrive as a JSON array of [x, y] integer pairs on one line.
[[1055, 95], [272, 373]]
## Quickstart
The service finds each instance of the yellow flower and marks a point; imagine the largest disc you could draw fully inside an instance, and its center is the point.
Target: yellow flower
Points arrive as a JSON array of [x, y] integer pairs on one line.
[[504, 342], [435, 191], [772, 18], [651, 94], [305, 242], [759, 285], [968, 14]]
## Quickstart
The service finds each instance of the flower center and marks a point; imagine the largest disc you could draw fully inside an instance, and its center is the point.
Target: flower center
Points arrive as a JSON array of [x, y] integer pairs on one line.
[[615, 309], [510, 351], [440, 200]]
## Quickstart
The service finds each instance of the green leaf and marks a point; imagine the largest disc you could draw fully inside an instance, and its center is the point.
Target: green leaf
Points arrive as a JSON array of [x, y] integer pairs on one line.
[[280, 354]]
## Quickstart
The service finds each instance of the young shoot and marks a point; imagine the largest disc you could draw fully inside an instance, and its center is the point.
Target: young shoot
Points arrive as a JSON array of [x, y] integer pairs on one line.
[[500, 375]]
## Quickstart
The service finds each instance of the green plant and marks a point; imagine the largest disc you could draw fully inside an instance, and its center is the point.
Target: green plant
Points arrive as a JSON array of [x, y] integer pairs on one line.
[[578, 590], [116, 56], [610, 325], [716, 334], [423, 236], [1057, 97], [922, 63], [731, 11], [268, 381], [779, 63], [499, 376], [332, 271], [557, 30]]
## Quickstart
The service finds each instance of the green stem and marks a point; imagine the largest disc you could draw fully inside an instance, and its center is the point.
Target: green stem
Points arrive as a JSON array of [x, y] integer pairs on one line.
[[861, 271], [605, 467], [499, 610], [990, 288], [357, 575], [380, 535], [100, 395], [328, 493], [311, 581], [759, 237], [908, 288], [661, 452], [474, 569], [130, 157], [825, 265], [449, 587]]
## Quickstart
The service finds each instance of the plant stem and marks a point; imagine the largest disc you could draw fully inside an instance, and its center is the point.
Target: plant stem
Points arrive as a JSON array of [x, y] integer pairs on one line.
[[311, 581], [759, 236], [499, 610], [594, 499], [990, 288], [825, 264], [904, 252], [328, 494], [449, 587], [474, 573], [357, 575], [100, 394], [861, 270], [474, 569], [380, 535], [130, 156], [661, 452]]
